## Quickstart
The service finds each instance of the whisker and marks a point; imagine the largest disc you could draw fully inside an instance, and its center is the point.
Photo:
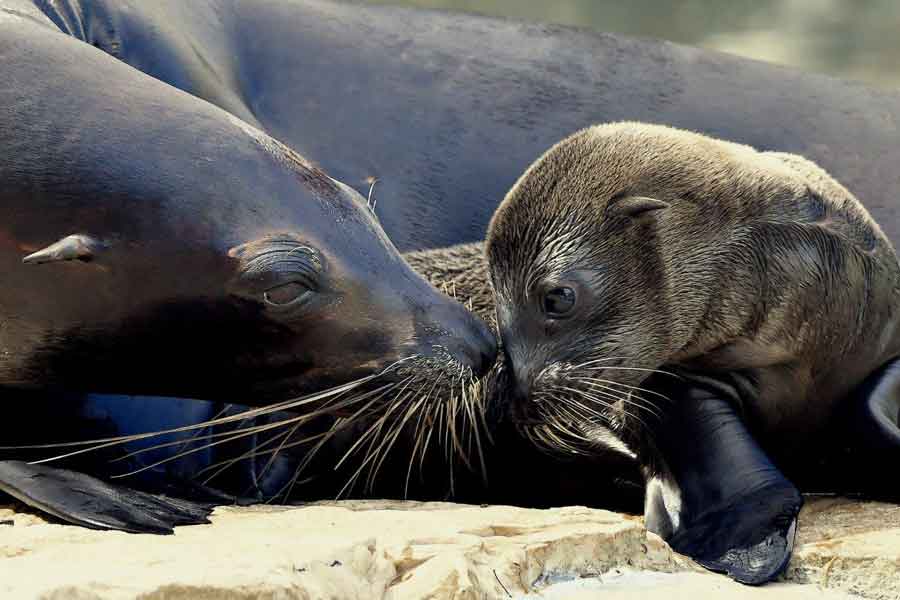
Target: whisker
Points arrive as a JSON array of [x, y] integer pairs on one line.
[[392, 437], [426, 419], [101, 443], [625, 385], [378, 423], [374, 432], [661, 372], [287, 489], [628, 398], [257, 450], [598, 360], [475, 426], [329, 395]]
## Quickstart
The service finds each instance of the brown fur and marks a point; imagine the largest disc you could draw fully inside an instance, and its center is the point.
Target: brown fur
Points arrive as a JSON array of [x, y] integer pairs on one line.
[[460, 271], [763, 272]]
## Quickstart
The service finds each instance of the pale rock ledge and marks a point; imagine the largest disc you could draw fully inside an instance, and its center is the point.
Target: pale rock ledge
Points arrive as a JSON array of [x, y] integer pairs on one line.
[[407, 550]]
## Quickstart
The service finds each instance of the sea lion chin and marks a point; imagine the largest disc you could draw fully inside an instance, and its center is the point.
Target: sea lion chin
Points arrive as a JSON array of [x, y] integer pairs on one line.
[[707, 305]]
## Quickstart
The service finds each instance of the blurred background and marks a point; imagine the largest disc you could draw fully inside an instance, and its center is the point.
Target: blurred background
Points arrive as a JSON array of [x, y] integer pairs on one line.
[[852, 39]]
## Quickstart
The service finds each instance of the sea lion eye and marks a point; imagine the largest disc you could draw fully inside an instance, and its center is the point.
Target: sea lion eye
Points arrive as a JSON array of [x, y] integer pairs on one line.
[[558, 302], [285, 294]]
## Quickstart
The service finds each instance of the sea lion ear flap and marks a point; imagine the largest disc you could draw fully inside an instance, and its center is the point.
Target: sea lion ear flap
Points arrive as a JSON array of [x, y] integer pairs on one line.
[[72, 247], [636, 206]]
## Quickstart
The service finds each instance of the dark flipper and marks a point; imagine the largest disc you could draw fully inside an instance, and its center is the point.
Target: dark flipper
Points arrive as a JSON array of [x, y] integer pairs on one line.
[[84, 500], [715, 496]]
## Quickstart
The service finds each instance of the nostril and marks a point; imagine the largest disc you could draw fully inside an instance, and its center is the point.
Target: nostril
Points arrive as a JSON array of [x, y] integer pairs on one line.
[[517, 381]]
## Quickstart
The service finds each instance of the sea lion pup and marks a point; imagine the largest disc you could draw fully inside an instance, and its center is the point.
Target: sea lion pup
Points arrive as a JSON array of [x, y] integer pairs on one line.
[[629, 252]]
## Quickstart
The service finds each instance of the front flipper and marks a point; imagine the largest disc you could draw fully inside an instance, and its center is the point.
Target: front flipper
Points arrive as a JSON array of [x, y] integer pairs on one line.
[[715, 496], [84, 500]]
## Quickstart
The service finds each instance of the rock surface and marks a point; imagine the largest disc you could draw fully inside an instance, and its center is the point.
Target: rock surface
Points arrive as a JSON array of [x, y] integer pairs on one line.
[[400, 550], [849, 545]]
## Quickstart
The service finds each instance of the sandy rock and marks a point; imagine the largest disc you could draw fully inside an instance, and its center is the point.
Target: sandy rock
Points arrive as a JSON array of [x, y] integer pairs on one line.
[[342, 551], [407, 550], [647, 585], [849, 545]]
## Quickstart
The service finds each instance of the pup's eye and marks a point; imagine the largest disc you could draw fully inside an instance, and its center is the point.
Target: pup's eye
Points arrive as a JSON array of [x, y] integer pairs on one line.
[[285, 294], [558, 302]]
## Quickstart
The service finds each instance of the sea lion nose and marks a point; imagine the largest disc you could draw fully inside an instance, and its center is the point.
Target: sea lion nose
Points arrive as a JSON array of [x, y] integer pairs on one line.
[[482, 348], [467, 338]]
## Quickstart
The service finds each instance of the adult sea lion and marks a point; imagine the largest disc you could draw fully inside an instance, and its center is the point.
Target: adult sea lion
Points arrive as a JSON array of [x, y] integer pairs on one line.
[[629, 252], [152, 243]]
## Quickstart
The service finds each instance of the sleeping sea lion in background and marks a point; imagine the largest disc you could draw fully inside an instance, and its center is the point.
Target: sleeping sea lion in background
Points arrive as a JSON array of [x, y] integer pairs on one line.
[[703, 306], [447, 110]]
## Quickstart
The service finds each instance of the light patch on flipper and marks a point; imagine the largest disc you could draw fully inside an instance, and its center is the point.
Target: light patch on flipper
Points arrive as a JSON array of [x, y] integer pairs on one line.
[[84, 500], [72, 247]]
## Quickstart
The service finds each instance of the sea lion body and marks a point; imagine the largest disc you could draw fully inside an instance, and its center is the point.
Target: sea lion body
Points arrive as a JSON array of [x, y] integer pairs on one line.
[[632, 253], [769, 269]]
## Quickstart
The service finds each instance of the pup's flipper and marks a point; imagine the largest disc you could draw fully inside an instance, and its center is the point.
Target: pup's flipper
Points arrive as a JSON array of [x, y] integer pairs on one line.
[[715, 496], [84, 500]]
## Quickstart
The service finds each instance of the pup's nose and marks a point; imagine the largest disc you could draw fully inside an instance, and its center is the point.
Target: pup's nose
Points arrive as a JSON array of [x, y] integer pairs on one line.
[[518, 382]]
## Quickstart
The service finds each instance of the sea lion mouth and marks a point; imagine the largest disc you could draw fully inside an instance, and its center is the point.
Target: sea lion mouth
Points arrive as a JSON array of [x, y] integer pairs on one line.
[[583, 408]]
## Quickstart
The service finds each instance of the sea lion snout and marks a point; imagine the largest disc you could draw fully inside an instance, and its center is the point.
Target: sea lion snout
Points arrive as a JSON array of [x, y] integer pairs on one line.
[[436, 328], [467, 340]]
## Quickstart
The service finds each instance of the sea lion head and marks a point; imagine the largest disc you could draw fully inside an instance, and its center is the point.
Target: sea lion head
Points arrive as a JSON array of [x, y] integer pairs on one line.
[[608, 254], [348, 305], [250, 277]]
